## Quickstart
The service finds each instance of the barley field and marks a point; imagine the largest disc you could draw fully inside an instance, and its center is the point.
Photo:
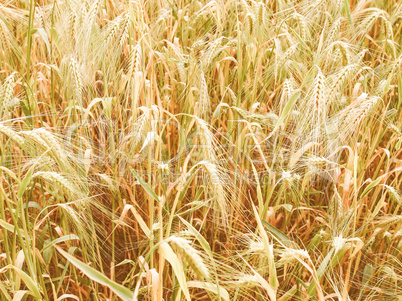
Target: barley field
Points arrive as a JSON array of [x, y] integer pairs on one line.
[[200, 150]]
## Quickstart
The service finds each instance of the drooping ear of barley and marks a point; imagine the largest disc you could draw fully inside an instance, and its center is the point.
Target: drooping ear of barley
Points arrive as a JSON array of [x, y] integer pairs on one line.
[[42, 163], [206, 141], [250, 23], [217, 183], [59, 180], [76, 78], [372, 16], [287, 55], [395, 194], [203, 99], [124, 30], [293, 256], [336, 206], [135, 60], [7, 93], [39, 17], [78, 219], [212, 52], [88, 19], [341, 78], [303, 27], [316, 106], [354, 114], [113, 29], [11, 134], [5, 36], [389, 220], [262, 13], [72, 26], [191, 256], [333, 33]]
